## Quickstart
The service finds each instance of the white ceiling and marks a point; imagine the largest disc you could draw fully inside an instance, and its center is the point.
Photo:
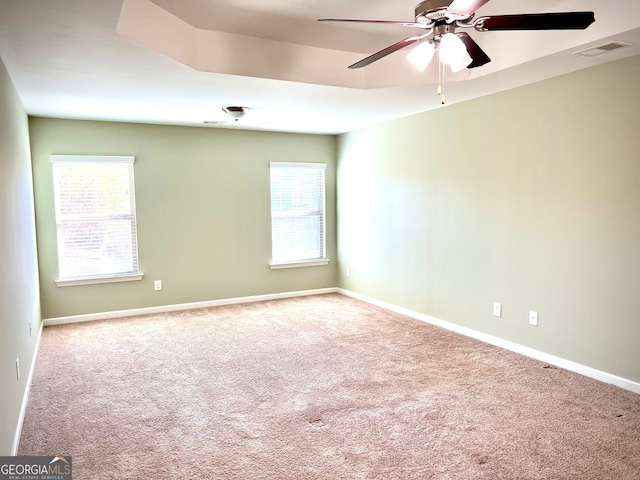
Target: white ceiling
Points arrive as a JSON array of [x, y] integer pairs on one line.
[[180, 61]]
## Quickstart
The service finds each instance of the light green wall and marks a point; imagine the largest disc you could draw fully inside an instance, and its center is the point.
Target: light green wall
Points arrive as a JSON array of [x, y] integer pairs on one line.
[[203, 210], [19, 302], [530, 197]]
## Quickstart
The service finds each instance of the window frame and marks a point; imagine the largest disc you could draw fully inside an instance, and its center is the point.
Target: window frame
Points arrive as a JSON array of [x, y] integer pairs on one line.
[[96, 278], [309, 262]]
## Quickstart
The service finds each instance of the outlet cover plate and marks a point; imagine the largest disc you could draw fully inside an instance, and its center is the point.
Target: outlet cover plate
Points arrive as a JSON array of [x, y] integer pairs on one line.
[[533, 318], [497, 309]]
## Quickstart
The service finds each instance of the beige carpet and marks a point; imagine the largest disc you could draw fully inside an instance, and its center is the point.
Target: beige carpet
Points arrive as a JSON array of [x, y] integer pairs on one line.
[[322, 387]]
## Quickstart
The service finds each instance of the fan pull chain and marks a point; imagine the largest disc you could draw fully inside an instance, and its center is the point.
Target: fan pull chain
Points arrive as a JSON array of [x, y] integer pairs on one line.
[[443, 99], [439, 74]]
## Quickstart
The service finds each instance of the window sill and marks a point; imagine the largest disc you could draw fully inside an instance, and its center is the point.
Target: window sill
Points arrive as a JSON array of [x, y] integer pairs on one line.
[[93, 280], [303, 263]]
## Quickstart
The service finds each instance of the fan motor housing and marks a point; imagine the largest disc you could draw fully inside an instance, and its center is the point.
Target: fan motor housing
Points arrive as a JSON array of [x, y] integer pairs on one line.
[[433, 10]]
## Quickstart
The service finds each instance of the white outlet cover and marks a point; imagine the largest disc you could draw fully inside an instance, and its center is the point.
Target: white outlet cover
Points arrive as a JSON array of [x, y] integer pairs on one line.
[[497, 309], [533, 318]]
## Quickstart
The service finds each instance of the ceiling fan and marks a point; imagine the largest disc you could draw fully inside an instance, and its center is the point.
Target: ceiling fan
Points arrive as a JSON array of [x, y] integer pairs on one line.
[[439, 20]]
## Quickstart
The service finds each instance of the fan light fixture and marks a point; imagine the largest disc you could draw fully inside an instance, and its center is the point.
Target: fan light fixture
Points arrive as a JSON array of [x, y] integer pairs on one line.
[[453, 52], [421, 56]]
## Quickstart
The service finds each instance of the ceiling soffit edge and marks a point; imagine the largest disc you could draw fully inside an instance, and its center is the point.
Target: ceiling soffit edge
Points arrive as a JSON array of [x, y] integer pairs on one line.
[[149, 25]]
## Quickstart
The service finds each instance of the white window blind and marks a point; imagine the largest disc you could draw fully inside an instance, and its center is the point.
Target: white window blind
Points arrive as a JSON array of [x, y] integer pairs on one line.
[[95, 217], [298, 212]]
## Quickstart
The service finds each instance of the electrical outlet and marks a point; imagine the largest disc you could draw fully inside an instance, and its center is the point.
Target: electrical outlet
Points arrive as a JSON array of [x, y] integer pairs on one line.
[[533, 318], [157, 285], [348, 272], [17, 369], [30, 330], [497, 309]]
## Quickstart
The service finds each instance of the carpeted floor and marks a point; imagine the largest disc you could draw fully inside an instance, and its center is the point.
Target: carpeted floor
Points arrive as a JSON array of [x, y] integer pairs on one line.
[[321, 387]]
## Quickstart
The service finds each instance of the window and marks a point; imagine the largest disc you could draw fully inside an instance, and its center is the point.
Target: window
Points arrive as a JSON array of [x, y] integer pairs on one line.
[[95, 219], [297, 214]]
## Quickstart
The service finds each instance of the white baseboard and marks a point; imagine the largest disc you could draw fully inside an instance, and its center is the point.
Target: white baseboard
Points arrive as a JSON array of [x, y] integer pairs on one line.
[[183, 306], [499, 342], [25, 397]]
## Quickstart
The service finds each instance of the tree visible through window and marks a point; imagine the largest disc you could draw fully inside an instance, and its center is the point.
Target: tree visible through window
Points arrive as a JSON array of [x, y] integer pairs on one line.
[[95, 217], [298, 213]]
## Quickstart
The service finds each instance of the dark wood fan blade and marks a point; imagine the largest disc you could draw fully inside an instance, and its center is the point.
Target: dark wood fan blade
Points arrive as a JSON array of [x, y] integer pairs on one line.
[[539, 21], [384, 22], [465, 7], [475, 52], [390, 49]]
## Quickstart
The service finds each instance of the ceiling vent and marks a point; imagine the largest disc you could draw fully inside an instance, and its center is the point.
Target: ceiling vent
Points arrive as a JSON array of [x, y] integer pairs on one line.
[[235, 113], [600, 49]]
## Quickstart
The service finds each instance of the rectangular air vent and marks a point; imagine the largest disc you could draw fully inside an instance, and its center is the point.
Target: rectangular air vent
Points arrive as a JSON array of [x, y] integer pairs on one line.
[[600, 49], [214, 122]]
